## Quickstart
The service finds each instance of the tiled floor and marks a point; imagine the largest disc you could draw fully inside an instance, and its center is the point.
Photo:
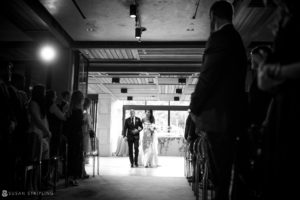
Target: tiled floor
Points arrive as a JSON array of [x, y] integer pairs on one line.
[[120, 166]]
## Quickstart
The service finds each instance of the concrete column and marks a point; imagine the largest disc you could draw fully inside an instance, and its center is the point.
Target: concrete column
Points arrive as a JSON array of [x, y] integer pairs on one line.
[[103, 124]]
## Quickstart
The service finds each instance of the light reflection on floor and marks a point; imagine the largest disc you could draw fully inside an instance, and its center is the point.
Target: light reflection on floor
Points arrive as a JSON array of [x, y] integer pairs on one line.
[[120, 166]]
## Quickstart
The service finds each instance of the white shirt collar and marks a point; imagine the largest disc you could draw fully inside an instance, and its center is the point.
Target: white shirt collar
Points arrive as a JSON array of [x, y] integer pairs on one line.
[[223, 26]]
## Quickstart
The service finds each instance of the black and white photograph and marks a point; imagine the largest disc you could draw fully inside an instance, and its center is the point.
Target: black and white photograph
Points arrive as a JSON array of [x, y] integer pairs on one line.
[[149, 99]]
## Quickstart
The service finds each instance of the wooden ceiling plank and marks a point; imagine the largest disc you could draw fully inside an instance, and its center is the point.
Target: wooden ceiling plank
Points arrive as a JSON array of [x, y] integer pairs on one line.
[[129, 54], [103, 53], [135, 54], [114, 54], [137, 45], [120, 56], [97, 54], [124, 53], [109, 54]]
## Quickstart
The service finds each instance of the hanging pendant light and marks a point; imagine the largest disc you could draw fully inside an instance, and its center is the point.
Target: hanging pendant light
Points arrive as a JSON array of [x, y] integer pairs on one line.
[[132, 13]]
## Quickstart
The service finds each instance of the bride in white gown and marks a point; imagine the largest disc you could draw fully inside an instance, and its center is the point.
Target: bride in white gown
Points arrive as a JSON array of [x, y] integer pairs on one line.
[[149, 141]]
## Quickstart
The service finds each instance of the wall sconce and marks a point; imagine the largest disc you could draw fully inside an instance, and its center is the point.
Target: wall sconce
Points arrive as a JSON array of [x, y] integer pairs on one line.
[[132, 13]]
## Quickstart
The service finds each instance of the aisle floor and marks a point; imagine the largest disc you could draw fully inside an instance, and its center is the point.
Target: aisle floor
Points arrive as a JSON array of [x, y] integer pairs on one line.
[[117, 180], [120, 166]]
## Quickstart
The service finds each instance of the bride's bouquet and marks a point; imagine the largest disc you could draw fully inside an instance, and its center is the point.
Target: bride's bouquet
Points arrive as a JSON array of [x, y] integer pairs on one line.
[[152, 128]]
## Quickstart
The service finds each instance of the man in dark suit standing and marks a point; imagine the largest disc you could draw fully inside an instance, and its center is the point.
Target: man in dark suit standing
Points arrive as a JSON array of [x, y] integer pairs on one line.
[[218, 101], [132, 127]]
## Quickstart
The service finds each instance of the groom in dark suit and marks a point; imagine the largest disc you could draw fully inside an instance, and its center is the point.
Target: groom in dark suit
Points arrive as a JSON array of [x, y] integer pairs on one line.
[[218, 101], [132, 127]]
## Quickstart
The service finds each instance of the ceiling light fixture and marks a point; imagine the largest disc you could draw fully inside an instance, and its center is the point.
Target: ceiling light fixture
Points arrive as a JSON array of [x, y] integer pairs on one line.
[[182, 80], [123, 90], [132, 13], [48, 53], [178, 91], [138, 32], [115, 80]]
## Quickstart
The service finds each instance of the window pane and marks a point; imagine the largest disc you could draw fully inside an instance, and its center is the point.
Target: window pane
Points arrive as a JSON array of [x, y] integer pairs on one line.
[[177, 122], [161, 122]]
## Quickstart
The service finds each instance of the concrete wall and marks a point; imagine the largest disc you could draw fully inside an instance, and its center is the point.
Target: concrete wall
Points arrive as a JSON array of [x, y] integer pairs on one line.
[[103, 124]]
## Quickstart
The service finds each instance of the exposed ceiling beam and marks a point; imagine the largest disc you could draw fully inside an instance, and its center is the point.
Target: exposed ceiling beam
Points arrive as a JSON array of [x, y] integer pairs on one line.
[[145, 62], [136, 45], [54, 27], [17, 45], [140, 67]]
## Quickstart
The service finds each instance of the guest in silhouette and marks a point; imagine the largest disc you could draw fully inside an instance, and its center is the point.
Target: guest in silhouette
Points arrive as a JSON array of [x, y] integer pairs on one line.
[[87, 130], [55, 119], [218, 103], [280, 75], [64, 104], [74, 132]]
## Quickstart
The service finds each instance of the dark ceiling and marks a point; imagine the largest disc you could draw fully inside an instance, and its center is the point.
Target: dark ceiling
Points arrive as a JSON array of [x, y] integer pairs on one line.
[[171, 47]]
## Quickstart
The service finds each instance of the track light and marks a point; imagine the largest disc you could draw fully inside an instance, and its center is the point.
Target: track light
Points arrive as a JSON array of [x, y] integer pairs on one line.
[[178, 91], [182, 80], [138, 32], [132, 11], [115, 80], [123, 90]]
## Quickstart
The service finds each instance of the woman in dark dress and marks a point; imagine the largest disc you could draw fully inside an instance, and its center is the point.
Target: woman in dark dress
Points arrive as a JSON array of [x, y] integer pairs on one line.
[[281, 75], [55, 119], [75, 136]]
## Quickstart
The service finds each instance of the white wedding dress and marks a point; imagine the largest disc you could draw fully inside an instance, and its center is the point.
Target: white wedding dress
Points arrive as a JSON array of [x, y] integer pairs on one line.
[[148, 155]]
